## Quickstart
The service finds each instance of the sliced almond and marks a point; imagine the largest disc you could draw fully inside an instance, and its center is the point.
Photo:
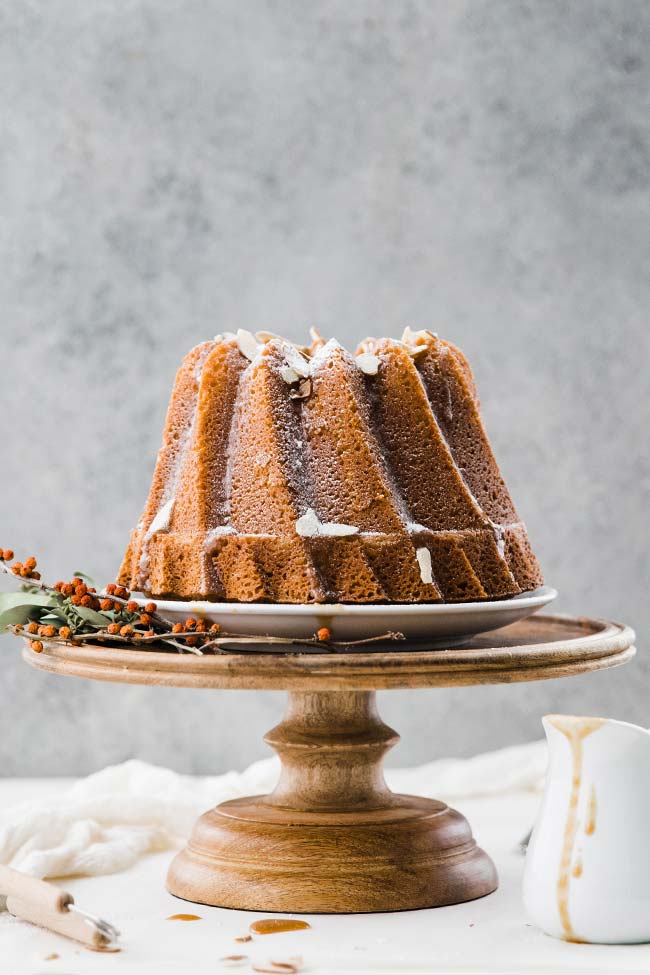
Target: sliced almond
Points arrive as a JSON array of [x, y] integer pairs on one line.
[[308, 525], [300, 365], [315, 336], [423, 555], [289, 375], [162, 521], [369, 363], [334, 529], [303, 391], [247, 343], [411, 337], [265, 337]]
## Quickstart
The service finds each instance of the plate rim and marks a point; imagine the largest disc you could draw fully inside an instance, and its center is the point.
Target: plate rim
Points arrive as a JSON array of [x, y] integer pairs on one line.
[[537, 598]]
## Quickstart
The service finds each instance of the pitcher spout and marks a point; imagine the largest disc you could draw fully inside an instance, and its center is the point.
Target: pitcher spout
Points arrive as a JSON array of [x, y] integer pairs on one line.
[[575, 729], [572, 726]]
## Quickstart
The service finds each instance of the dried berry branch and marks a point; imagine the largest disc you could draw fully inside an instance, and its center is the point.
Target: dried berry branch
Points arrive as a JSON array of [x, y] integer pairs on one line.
[[74, 612]]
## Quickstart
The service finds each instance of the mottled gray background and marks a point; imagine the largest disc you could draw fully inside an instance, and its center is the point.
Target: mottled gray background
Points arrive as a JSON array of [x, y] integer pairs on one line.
[[169, 169]]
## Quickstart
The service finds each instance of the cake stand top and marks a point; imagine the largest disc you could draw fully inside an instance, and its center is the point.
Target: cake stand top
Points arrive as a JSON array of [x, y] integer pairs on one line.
[[538, 648]]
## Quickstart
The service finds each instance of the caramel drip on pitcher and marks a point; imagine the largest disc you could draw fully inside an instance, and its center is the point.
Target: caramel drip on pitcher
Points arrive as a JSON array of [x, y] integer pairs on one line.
[[575, 730], [590, 827]]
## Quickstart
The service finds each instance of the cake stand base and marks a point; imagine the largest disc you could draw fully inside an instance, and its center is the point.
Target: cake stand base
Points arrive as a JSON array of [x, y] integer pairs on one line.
[[331, 838]]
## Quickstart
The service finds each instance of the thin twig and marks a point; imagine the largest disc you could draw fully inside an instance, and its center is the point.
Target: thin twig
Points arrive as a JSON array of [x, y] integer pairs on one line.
[[254, 647], [390, 635], [27, 580], [102, 637]]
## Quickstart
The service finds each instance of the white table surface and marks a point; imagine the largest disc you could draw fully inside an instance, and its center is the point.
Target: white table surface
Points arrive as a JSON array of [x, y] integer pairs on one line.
[[490, 935]]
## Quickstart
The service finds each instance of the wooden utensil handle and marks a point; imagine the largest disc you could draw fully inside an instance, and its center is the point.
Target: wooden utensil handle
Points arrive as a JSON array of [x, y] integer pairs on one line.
[[30, 890], [64, 922]]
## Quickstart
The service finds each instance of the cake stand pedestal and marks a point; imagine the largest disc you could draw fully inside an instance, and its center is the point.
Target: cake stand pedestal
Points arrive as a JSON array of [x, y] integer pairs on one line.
[[331, 837]]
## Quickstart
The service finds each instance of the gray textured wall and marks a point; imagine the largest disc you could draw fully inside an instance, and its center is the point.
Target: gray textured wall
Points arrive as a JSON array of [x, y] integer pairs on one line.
[[169, 169]]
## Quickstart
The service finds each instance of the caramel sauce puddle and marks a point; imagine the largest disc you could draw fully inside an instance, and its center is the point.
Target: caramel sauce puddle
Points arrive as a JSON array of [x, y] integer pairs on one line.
[[277, 925], [575, 730], [184, 917]]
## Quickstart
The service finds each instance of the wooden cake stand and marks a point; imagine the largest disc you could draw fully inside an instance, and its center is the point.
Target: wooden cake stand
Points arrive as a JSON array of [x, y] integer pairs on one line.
[[331, 837]]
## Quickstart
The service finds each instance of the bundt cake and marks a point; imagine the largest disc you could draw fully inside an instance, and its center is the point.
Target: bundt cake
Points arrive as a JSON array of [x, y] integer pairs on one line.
[[310, 475]]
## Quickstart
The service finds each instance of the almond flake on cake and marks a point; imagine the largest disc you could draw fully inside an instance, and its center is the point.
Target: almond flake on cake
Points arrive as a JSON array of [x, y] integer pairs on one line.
[[247, 343], [333, 528], [162, 520], [423, 556], [309, 526], [369, 363]]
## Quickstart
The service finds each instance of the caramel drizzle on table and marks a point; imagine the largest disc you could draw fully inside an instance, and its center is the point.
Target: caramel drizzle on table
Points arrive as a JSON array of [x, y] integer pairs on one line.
[[575, 730], [277, 925]]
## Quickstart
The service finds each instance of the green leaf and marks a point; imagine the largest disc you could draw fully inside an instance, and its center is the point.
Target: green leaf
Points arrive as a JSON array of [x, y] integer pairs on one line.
[[55, 615], [91, 616], [22, 607]]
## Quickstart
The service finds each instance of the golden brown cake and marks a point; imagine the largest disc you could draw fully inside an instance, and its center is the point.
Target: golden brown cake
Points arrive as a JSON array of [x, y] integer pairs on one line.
[[298, 475]]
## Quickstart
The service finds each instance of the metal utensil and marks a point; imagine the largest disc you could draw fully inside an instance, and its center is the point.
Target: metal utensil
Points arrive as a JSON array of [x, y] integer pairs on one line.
[[42, 903]]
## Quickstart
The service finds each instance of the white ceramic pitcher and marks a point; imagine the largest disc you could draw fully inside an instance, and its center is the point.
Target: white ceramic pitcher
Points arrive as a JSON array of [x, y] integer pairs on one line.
[[587, 875]]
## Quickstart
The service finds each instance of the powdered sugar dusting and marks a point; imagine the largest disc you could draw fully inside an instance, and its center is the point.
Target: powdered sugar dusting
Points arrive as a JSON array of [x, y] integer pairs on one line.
[[160, 523], [215, 534], [163, 516]]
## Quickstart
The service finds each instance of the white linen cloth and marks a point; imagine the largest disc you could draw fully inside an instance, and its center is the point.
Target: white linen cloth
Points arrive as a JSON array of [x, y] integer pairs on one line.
[[106, 821]]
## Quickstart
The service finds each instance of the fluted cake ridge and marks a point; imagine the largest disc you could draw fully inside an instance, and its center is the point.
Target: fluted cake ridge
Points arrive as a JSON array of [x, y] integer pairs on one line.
[[309, 474]]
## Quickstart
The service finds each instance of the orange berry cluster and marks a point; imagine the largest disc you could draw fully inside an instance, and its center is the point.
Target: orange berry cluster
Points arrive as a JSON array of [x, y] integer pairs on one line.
[[131, 621], [199, 631], [49, 631], [26, 569], [79, 593], [32, 628], [119, 599]]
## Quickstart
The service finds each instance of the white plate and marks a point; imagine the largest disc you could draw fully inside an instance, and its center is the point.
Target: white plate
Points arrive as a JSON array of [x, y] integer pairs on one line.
[[435, 623]]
